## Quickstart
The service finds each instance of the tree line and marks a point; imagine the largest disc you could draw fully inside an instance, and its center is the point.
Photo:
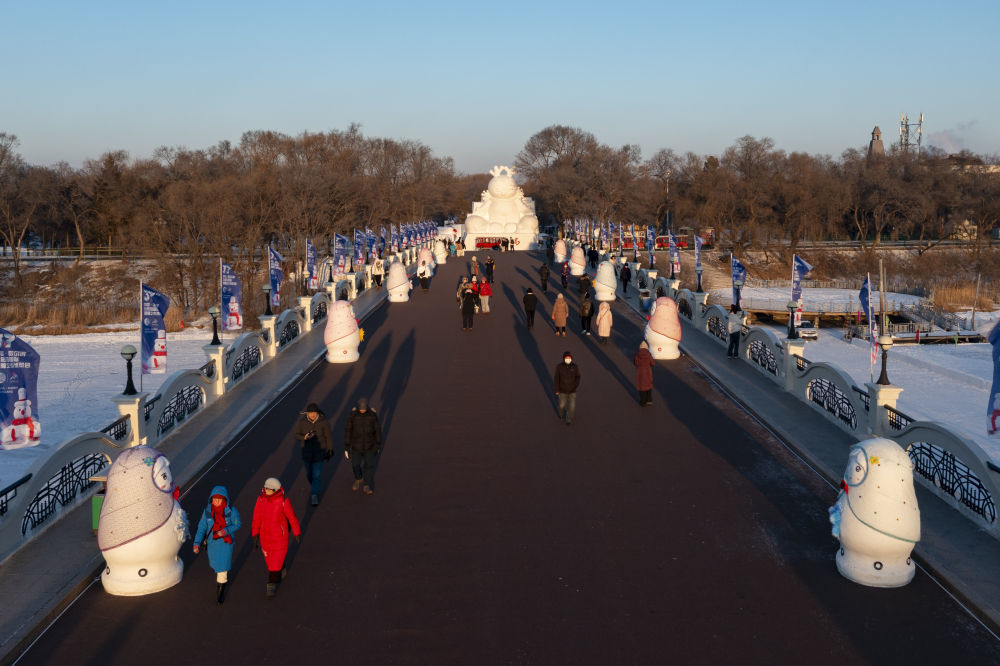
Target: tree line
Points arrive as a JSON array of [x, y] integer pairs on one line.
[[190, 207]]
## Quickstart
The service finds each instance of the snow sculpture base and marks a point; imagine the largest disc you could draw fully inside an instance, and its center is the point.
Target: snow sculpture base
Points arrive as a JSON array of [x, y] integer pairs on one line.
[[398, 284], [876, 516], [606, 282], [663, 332], [148, 564], [341, 334], [661, 347]]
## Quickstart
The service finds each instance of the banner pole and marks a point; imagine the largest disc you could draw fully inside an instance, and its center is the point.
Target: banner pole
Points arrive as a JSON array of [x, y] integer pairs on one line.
[[140, 337]]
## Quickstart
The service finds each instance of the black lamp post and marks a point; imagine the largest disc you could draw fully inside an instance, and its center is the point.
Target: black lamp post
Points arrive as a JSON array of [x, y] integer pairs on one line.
[[214, 311], [128, 353], [267, 298], [792, 307], [885, 342], [697, 270]]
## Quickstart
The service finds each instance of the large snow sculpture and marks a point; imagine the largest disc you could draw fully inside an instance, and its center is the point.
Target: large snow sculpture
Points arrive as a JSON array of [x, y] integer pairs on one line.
[[663, 331], [502, 212], [24, 429], [341, 333], [440, 252], [560, 251], [142, 525], [425, 255], [398, 283], [876, 516], [606, 282], [577, 262]]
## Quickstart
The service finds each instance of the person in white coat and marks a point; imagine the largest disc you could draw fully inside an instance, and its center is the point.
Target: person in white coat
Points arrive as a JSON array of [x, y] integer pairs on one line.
[[735, 326]]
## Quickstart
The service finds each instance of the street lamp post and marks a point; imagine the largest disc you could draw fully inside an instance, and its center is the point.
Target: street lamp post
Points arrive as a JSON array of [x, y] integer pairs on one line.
[[697, 270], [214, 311], [885, 342], [792, 307], [267, 298], [128, 353]]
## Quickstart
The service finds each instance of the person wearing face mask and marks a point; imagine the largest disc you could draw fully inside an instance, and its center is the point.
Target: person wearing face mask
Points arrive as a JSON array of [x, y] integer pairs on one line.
[[566, 381]]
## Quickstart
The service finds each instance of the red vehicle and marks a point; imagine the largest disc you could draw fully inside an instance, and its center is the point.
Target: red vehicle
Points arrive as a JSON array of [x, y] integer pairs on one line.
[[663, 242]]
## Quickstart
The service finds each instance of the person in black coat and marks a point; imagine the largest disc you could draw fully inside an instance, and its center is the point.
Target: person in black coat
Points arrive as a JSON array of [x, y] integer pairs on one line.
[[530, 303], [543, 274], [362, 442], [312, 431], [470, 301], [566, 380], [626, 276]]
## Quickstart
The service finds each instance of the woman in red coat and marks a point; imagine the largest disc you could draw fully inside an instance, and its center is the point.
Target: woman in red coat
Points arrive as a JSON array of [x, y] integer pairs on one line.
[[272, 516], [644, 374]]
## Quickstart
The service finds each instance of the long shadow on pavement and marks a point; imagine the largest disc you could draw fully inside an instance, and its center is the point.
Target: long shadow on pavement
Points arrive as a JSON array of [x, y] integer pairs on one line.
[[532, 353]]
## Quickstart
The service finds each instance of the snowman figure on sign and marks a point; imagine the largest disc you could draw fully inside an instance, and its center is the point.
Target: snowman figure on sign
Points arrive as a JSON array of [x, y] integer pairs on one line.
[[160, 351], [24, 429], [234, 320]]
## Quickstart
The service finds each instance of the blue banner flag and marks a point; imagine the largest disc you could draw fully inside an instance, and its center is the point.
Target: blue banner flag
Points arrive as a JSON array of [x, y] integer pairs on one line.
[[651, 245], [341, 249], [359, 247], [394, 238], [232, 299], [277, 275], [799, 269], [621, 239], [675, 255], [865, 296], [605, 236], [382, 241], [152, 330], [698, 242], [313, 281], [370, 241], [19, 427], [739, 274], [993, 407]]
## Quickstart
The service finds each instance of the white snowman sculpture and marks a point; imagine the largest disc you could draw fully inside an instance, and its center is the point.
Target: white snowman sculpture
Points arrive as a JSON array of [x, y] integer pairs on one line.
[[876, 516], [341, 334], [577, 262], [142, 525], [560, 251], [606, 282], [425, 255], [398, 283], [440, 252], [663, 330], [503, 210], [233, 319], [24, 429], [160, 351]]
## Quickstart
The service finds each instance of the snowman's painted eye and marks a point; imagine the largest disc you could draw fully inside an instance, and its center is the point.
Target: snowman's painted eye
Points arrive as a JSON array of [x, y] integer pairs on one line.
[[162, 477], [857, 467]]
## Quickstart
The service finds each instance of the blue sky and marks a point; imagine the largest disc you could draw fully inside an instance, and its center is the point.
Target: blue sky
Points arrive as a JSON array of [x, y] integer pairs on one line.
[[474, 80]]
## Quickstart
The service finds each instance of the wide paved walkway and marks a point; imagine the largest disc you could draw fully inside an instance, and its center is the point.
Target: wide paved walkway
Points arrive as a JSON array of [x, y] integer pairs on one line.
[[679, 533]]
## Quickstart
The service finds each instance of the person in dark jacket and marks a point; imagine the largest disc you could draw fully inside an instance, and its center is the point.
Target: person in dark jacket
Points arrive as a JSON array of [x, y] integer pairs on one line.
[[566, 381], [272, 517], [470, 302], [550, 253], [584, 283], [218, 524], [362, 442], [490, 266], [644, 365], [564, 275], [626, 276], [586, 313], [530, 303], [316, 441], [543, 274]]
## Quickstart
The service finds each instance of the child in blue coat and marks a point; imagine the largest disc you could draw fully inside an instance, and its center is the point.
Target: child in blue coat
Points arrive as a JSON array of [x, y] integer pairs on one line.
[[218, 523]]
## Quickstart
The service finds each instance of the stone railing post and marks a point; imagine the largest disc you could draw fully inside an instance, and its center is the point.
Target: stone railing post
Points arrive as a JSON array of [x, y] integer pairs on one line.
[[700, 301], [271, 344], [792, 349], [132, 406], [673, 286], [331, 291], [304, 303], [879, 397], [216, 353]]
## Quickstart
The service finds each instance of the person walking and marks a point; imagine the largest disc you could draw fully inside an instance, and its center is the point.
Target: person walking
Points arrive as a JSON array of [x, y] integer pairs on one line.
[[362, 442], [272, 517], [644, 364], [735, 326], [566, 381], [625, 275], [461, 247], [550, 253], [378, 272], [584, 283], [564, 274], [461, 289], [485, 291], [604, 321], [316, 441], [469, 305], [543, 275], [490, 266], [560, 313], [474, 267], [530, 302], [218, 524], [424, 275], [586, 312]]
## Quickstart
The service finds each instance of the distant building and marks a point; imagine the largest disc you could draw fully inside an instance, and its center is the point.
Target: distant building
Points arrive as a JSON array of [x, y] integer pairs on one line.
[[875, 147]]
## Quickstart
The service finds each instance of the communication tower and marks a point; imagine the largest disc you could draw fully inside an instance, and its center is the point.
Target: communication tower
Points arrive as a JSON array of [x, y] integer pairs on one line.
[[907, 140]]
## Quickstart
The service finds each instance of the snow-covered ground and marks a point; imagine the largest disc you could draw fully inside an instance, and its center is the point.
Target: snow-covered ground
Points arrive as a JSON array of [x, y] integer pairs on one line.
[[79, 374], [813, 300]]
